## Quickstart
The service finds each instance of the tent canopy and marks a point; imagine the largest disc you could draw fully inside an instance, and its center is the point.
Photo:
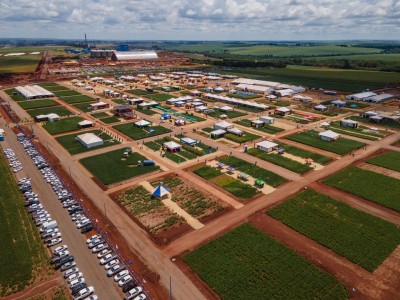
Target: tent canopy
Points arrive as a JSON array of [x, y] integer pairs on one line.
[[160, 191]]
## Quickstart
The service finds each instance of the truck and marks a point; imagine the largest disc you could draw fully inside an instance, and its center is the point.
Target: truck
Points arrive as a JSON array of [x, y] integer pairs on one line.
[[49, 225]]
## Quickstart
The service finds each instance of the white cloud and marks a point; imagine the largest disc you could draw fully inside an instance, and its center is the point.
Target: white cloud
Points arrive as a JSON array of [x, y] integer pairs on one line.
[[201, 19]]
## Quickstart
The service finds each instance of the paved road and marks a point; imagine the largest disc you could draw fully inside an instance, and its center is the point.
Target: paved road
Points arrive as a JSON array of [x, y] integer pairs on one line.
[[87, 262]]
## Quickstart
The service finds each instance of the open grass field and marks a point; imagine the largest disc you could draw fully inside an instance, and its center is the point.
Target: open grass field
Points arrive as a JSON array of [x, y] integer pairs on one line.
[[56, 88], [100, 115], [59, 110], [66, 93], [246, 137], [160, 97], [22, 255], [389, 160], [364, 239], [73, 146], [340, 146], [245, 263], [29, 49], [64, 125], [109, 120], [19, 64], [138, 92], [385, 123], [269, 177], [31, 104], [48, 84], [136, 133], [270, 129], [230, 114], [367, 57], [110, 168], [77, 99], [85, 106], [372, 186], [318, 158], [336, 79], [357, 132], [148, 112], [280, 160]]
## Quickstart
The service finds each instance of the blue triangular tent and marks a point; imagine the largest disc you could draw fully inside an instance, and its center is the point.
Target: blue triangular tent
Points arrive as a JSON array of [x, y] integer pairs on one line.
[[160, 191]]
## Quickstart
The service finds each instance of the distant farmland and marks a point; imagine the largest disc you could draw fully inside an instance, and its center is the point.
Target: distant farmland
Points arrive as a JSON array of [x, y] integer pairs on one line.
[[19, 64]]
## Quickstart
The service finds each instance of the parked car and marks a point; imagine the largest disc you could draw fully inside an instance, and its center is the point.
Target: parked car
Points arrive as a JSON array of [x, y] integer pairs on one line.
[[77, 288], [127, 287], [92, 297], [87, 228], [107, 258], [92, 238], [121, 275], [54, 242], [111, 264], [95, 243], [74, 276], [76, 281], [70, 272], [68, 265], [99, 247], [84, 293], [103, 253], [133, 293], [114, 270], [124, 280], [140, 297], [60, 249]]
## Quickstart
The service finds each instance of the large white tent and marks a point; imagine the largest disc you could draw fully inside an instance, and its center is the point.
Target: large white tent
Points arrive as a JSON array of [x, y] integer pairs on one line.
[[90, 140]]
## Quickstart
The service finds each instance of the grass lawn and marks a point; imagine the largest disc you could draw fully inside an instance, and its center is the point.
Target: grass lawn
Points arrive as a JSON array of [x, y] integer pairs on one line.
[[207, 172], [175, 158], [280, 160], [23, 256], [59, 110], [364, 239], [19, 64], [48, 84], [160, 97], [85, 107], [77, 99], [148, 112], [109, 120], [16, 97], [372, 186], [63, 125], [56, 88], [119, 101], [192, 117], [153, 146], [100, 115], [245, 263], [66, 93], [30, 104], [361, 132], [137, 133], [138, 92], [111, 168], [340, 146], [246, 137], [386, 123], [70, 143], [269, 177], [389, 160], [266, 128], [318, 158], [230, 114]]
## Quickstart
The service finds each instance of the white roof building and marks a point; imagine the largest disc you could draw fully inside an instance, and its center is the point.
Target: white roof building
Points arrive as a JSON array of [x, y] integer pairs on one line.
[[134, 55], [266, 146], [89, 140], [226, 108], [283, 109], [171, 145], [142, 123], [379, 98], [53, 117], [235, 101], [223, 125], [255, 88], [85, 123], [33, 92], [235, 131], [328, 135], [360, 96]]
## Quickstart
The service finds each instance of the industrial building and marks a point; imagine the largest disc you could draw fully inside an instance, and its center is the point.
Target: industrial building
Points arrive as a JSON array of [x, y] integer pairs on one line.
[[133, 55], [101, 53], [379, 98], [360, 96], [33, 92]]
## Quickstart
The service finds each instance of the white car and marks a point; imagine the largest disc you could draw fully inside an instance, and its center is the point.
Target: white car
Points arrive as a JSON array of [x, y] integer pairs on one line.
[[93, 297], [74, 276], [63, 253], [111, 263], [133, 293], [107, 258], [103, 253], [99, 247], [92, 238], [124, 280], [114, 270], [82, 224], [60, 248], [120, 275], [76, 281], [140, 297], [54, 242], [84, 293], [70, 272]]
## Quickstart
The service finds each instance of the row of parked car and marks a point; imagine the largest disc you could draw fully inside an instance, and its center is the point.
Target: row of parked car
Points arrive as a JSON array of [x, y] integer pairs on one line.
[[109, 260], [61, 259], [14, 163]]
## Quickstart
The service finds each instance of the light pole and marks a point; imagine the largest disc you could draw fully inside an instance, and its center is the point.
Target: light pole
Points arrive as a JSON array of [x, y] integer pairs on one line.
[[105, 214], [170, 287]]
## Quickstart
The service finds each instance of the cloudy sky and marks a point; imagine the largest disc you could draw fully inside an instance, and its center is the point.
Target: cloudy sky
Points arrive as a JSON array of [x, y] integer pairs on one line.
[[201, 19]]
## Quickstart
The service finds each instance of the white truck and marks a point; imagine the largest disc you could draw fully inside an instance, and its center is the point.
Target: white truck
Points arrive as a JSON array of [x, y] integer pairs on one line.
[[48, 225]]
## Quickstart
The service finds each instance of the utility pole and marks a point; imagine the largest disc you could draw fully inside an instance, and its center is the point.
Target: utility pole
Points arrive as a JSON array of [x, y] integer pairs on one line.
[[170, 287], [105, 214]]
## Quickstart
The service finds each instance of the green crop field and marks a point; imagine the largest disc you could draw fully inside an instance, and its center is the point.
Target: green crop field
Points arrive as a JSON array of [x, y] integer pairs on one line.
[[372, 186], [77, 99], [318, 158], [266, 128], [340, 146], [110, 167], [245, 263], [389, 160], [136, 133], [230, 114], [280, 160], [336, 79], [148, 112], [364, 239], [85, 106], [246, 137], [109, 120], [19, 64], [138, 92], [29, 49], [16, 97], [64, 125], [22, 256], [386, 123], [367, 57], [59, 110], [100, 115], [48, 84], [160, 97], [31, 104], [56, 88], [269, 177], [66, 93], [73, 146]]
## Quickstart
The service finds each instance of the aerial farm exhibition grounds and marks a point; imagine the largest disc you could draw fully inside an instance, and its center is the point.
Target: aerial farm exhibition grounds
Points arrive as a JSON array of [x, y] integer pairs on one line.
[[189, 178]]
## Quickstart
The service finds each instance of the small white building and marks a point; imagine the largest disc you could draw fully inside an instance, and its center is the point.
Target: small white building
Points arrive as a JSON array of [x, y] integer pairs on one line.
[[266, 146], [349, 123], [283, 111], [379, 98], [89, 140], [329, 136], [267, 120], [53, 117], [172, 146], [142, 123], [235, 131], [217, 133], [303, 98], [223, 125], [85, 124], [226, 108], [320, 107], [325, 124]]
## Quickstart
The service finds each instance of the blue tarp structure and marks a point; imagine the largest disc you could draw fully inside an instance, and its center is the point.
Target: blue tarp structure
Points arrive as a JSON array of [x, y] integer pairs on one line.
[[160, 191], [165, 116]]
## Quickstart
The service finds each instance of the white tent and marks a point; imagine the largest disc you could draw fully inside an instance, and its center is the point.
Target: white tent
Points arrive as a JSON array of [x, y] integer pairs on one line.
[[89, 140], [328, 135], [142, 123], [266, 146], [223, 125]]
